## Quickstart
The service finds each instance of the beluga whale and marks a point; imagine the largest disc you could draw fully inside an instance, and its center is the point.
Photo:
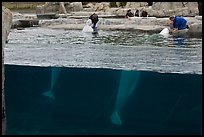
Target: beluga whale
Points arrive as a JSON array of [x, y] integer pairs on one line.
[[128, 83], [165, 32], [88, 29], [55, 72]]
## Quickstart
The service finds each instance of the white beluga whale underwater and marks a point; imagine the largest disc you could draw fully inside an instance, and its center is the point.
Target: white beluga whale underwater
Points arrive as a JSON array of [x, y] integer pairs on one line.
[[55, 72], [128, 84]]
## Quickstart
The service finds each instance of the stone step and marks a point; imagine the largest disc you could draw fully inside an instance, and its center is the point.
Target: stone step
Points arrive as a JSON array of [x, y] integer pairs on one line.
[[88, 9], [24, 23], [198, 17], [48, 16], [100, 16]]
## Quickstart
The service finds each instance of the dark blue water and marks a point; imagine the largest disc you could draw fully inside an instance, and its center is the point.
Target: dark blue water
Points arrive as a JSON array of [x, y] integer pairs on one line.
[[84, 99]]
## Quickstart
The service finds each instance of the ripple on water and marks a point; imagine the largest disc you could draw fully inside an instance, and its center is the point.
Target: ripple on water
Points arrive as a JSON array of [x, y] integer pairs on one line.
[[109, 49]]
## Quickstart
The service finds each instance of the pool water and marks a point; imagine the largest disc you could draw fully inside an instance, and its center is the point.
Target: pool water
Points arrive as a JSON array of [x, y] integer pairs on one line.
[[68, 82]]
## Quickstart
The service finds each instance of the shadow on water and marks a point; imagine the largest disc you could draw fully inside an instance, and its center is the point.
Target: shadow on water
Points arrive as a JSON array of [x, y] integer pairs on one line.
[[179, 41]]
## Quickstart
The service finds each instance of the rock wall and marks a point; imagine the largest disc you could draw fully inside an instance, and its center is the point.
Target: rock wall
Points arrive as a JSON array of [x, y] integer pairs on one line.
[[73, 6], [6, 25], [103, 6], [158, 9], [174, 8], [77, 6], [54, 7], [135, 5], [195, 30], [48, 7]]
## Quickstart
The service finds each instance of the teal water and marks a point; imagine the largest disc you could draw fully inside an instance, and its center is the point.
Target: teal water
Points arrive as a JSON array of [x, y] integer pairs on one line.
[[116, 82], [85, 100]]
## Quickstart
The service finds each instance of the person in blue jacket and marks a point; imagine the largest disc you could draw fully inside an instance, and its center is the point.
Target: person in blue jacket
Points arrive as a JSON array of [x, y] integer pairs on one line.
[[177, 23]]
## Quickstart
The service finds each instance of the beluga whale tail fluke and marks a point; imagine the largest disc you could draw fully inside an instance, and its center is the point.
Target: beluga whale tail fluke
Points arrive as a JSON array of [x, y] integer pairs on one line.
[[49, 94], [128, 84], [115, 118], [55, 72]]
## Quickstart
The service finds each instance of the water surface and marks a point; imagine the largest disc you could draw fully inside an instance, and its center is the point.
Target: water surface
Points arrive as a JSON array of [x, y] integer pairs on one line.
[[110, 49]]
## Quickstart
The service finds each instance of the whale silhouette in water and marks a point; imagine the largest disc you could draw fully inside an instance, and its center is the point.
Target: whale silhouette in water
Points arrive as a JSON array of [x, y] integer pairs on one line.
[[55, 72], [128, 84]]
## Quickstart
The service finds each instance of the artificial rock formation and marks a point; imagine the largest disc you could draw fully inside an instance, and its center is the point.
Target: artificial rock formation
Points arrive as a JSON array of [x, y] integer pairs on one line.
[[6, 25], [135, 5], [165, 9], [59, 7], [174, 8], [158, 9]]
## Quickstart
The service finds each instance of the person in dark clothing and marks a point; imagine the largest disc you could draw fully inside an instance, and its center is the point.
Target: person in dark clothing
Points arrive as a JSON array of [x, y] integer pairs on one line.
[[129, 14], [137, 13], [94, 19], [178, 23], [144, 14]]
